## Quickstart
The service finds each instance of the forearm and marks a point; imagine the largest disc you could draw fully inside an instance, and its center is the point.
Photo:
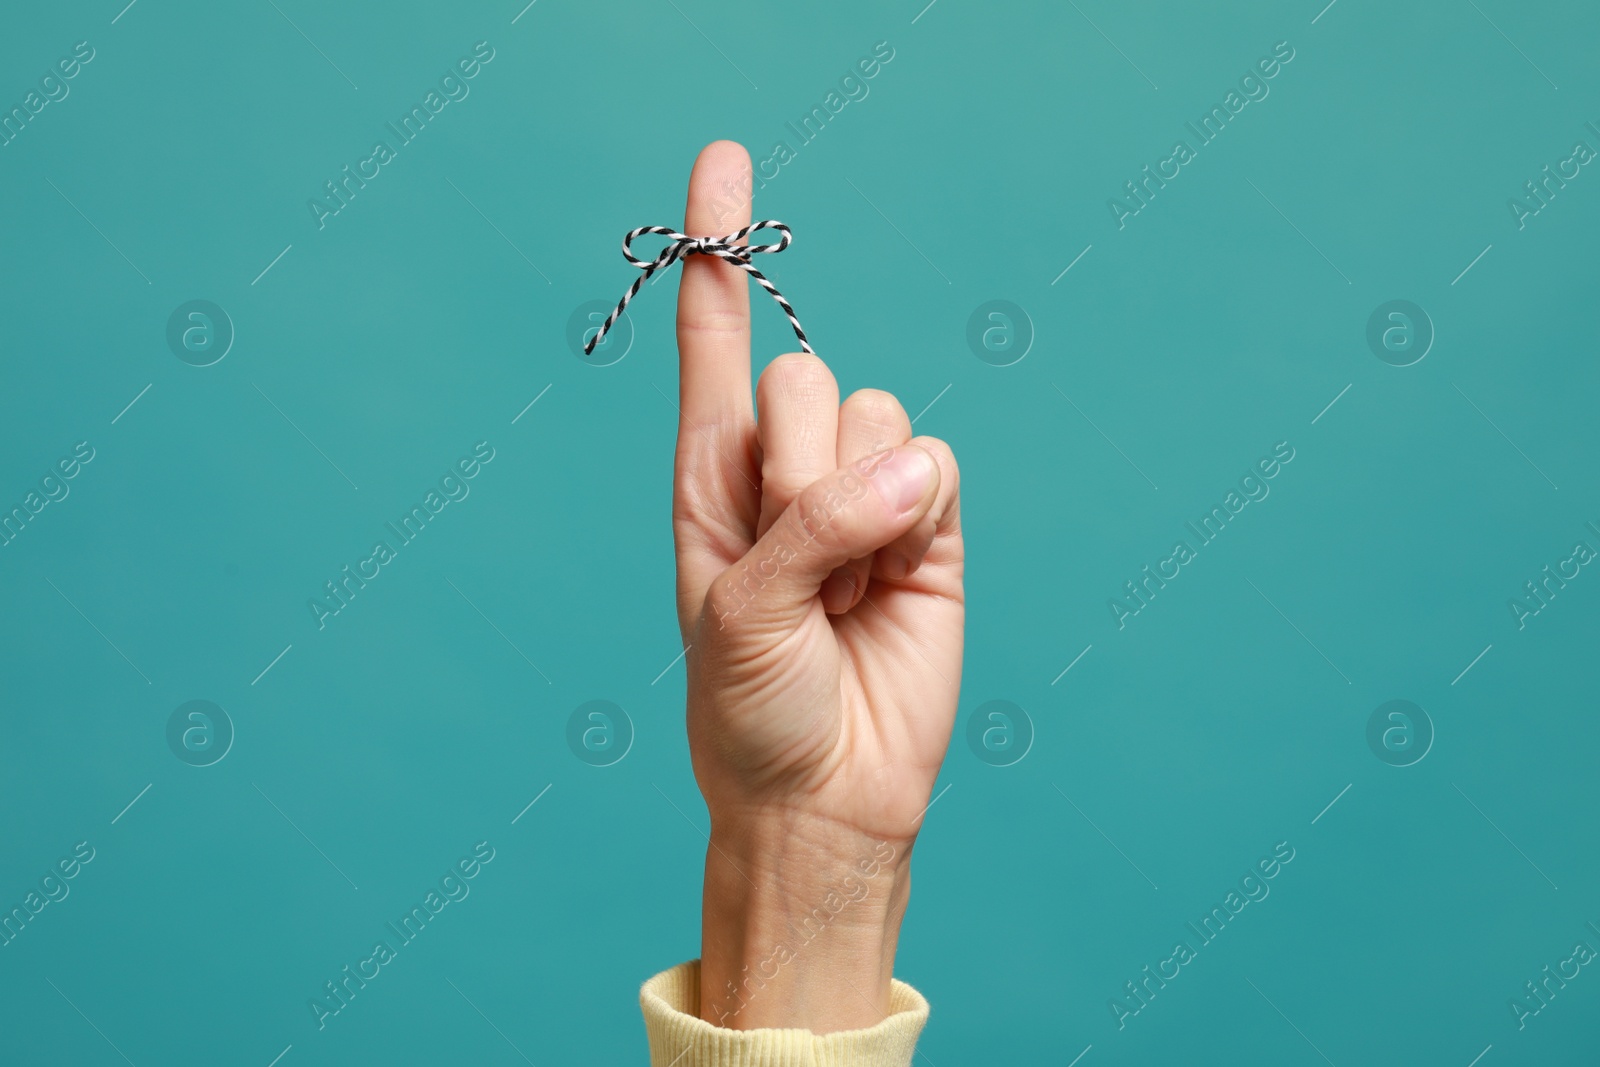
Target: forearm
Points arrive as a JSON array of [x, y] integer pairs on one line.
[[800, 919]]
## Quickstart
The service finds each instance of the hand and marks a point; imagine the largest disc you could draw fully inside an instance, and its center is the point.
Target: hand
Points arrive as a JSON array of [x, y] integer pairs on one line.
[[820, 596]]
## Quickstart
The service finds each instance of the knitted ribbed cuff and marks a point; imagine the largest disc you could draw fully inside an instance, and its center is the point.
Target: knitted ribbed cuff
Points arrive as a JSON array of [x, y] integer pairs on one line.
[[679, 1038]]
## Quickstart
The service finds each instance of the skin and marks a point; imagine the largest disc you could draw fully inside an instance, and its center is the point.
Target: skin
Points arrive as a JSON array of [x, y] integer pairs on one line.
[[820, 595]]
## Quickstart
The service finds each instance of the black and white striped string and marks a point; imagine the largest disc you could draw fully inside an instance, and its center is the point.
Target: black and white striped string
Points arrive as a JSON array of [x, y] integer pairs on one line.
[[724, 248]]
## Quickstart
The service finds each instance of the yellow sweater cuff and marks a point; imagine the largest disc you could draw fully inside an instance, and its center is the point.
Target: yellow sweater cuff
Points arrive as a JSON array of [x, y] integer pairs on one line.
[[679, 1038]]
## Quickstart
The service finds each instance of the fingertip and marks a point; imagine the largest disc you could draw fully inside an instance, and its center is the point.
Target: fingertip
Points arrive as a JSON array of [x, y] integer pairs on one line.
[[720, 187], [944, 456], [724, 146], [906, 478]]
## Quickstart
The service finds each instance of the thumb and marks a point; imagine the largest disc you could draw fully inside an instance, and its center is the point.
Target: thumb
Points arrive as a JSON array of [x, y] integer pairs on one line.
[[841, 516]]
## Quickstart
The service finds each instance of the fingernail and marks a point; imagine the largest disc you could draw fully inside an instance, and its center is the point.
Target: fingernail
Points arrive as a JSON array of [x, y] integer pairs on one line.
[[901, 476], [838, 590], [896, 564]]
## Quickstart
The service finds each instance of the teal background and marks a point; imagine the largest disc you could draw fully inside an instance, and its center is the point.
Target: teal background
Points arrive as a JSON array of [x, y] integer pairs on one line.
[[416, 724]]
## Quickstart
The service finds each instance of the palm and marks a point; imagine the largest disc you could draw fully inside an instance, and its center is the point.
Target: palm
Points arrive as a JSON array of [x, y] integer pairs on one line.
[[851, 713], [837, 698]]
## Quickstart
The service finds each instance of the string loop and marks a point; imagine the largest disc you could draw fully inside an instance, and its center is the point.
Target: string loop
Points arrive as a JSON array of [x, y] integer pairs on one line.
[[724, 248]]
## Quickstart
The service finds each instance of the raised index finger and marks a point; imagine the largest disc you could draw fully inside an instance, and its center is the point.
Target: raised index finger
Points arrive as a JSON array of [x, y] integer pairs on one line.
[[714, 297]]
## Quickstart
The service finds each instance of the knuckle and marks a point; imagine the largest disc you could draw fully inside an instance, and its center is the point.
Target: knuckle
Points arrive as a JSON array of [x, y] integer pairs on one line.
[[876, 410], [784, 484], [714, 322], [798, 375]]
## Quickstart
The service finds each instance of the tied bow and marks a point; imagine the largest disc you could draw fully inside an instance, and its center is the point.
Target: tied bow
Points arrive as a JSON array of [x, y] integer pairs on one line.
[[724, 248]]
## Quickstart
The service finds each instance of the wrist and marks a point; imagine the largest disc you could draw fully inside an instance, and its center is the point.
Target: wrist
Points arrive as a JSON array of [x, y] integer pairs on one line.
[[800, 920]]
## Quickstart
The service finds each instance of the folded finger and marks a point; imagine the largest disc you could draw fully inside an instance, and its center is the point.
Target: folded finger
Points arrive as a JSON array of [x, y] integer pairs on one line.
[[870, 420], [798, 401]]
